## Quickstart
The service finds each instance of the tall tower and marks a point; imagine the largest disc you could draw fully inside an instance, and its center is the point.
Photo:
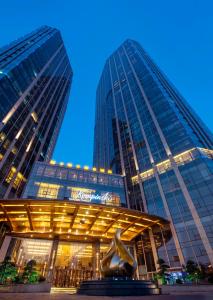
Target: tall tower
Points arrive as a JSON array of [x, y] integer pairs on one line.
[[145, 130], [35, 79]]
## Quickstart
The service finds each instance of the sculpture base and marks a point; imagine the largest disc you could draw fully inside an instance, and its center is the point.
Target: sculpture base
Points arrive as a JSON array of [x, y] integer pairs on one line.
[[110, 287]]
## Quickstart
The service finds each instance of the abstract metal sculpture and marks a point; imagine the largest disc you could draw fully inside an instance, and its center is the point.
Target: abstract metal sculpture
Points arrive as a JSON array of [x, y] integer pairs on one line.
[[118, 261], [117, 268]]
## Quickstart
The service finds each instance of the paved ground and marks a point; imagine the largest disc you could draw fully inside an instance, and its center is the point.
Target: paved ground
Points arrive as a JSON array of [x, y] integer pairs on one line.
[[34, 296]]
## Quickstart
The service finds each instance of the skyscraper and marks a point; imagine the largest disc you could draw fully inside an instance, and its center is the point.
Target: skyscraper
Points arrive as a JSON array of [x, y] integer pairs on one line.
[[145, 130], [35, 79]]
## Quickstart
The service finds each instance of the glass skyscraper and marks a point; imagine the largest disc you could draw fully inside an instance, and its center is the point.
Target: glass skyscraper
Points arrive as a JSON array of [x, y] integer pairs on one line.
[[146, 131], [35, 79]]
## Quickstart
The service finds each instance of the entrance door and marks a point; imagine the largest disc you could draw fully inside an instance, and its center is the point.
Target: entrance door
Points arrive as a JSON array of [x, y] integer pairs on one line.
[[74, 263]]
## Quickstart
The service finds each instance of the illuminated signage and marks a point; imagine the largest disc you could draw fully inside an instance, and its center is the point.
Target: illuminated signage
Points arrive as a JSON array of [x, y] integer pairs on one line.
[[88, 195]]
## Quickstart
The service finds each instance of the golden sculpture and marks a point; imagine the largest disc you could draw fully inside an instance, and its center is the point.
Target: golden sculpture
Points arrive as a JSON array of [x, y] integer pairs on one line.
[[118, 261]]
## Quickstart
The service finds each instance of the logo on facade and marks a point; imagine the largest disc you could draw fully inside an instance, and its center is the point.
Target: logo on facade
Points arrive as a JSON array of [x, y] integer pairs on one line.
[[87, 195]]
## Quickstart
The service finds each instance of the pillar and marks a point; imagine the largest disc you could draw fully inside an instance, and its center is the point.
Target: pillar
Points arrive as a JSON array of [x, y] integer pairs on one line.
[[96, 259], [154, 250], [4, 247], [52, 259]]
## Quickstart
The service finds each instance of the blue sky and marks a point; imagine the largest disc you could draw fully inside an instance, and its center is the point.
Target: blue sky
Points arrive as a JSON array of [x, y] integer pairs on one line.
[[178, 34]]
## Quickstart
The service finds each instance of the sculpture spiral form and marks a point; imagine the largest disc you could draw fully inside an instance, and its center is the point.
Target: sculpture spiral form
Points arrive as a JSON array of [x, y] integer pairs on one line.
[[118, 261]]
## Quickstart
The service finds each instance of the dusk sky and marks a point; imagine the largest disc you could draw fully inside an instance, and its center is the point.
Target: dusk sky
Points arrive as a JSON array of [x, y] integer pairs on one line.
[[177, 34]]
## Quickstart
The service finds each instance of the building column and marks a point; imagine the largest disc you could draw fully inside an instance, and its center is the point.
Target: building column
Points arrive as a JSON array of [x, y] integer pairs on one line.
[[4, 247], [52, 259], [154, 250], [136, 259], [96, 259]]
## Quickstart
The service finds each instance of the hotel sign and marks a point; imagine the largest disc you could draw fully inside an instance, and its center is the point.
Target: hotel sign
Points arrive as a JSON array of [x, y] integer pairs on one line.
[[88, 195]]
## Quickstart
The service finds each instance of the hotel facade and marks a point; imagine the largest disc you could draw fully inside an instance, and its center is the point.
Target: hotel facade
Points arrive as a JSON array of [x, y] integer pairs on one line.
[[66, 220], [146, 131], [65, 216]]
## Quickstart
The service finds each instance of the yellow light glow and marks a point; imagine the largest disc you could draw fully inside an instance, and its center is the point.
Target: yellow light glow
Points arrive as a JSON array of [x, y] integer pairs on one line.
[[18, 134], [61, 163], [8, 116], [78, 166], [29, 145], [94, 169], [34, 116], [102, 170], [86, 168], [109, 171], [69, 165], [163, 166], [52, 162]]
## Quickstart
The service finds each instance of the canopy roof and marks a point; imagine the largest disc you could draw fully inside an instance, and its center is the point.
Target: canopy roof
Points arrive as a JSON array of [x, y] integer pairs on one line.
[[71, 220]]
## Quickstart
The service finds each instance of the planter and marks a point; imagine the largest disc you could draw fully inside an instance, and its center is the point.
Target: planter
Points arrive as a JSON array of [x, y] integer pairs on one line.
[[43, 287]]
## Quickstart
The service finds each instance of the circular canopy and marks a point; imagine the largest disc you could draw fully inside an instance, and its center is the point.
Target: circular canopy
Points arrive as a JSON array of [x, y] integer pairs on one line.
[[71, 220]]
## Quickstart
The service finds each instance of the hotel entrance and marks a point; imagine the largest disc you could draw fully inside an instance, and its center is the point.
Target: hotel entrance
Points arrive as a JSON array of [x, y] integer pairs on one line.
[[74, 261], [68, 239]]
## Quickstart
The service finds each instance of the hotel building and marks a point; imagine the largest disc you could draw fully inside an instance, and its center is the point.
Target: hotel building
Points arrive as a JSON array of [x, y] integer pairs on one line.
[[146, 131], [35, 79]]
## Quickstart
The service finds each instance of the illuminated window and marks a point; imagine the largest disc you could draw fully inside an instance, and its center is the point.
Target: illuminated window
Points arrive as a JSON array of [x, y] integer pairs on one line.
[[112, 199], [6, 144], [10, 175], [18, 180], [2, 136], [34, 116], [14, 150], [46, 190]]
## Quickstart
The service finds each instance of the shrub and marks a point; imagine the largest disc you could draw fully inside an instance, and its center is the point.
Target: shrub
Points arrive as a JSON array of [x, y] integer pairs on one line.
[[30, 275], [8, 271]]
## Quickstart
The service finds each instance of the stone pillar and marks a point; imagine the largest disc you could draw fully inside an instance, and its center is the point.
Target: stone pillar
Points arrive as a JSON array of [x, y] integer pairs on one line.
[[96, 259], [136, 259], [154, 250], [52, 259], [4, 247]]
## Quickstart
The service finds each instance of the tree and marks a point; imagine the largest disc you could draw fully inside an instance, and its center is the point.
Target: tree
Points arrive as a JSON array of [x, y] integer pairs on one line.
[[30, 275], [162, 271], [8, 271], [194, 273]]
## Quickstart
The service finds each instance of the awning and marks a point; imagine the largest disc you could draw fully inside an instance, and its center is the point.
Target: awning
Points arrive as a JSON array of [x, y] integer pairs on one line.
[[70, 220]]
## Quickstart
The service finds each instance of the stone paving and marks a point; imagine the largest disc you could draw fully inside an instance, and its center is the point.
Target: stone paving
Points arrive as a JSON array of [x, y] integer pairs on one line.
[[46, 296]]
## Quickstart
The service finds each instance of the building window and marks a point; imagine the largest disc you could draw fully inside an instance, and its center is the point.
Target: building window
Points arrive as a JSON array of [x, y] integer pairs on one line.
[[72, 175], [61, 174], [40, 170], [49, 172], [46, 190]]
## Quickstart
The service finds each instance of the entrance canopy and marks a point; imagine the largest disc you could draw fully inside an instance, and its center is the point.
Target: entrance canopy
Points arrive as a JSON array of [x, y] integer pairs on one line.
[[73, 221]]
